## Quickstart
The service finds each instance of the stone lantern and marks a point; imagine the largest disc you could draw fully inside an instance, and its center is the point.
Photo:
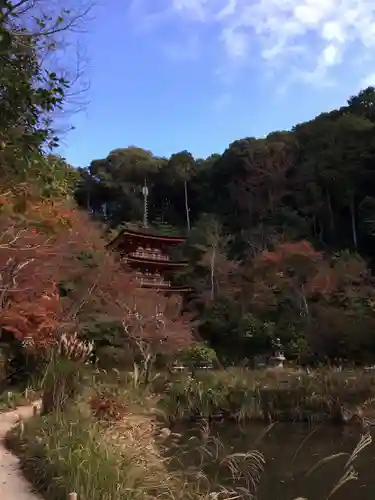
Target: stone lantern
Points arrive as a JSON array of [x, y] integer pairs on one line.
[[277, 359]]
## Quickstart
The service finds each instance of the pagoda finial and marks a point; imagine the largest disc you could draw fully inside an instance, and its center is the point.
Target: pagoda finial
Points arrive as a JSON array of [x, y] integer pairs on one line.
[[145, 204]]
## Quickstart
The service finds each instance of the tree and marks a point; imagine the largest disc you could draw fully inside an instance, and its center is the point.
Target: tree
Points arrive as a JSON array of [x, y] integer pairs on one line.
[[32, 88], [112, 187], [181, 167], [270, 223], [56, 275], [32, 30], [362, 104], [289, 267], [211, 244]]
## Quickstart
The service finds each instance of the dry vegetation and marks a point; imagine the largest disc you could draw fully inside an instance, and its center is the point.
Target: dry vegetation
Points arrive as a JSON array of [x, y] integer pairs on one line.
[[288, 395], [122, 455], [100, 436]]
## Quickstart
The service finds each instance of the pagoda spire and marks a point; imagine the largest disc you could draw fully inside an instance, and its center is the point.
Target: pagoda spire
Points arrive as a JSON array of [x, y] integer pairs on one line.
[[145, 204]]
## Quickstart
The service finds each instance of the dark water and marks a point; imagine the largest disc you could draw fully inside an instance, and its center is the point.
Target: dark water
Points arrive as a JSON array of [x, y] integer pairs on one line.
[[291, 450]]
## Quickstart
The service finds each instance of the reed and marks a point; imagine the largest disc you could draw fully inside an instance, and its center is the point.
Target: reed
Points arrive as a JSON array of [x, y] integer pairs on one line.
[[126, 459], [61, 453], [71, 451], [117, 451], [268, 395]]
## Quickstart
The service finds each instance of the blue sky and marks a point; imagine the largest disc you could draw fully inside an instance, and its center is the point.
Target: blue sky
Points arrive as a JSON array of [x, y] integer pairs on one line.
[[168, 75]]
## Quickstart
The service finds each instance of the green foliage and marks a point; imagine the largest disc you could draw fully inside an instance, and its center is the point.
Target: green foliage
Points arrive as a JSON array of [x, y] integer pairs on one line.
[[92, 450], [259, 335], [104, 331], [31, 93], [62, 384], [75, 452], [20, 368], [288, 395], [71, 447], [198, 356], [88, 259], [235, 335], [111, 350], [313, 183]]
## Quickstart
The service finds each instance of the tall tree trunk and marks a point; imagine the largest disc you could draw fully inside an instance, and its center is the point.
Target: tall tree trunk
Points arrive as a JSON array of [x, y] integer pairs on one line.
[[270, 201], [213, 258], [187, 206], [352, 215], [314, 225], [331, 219]]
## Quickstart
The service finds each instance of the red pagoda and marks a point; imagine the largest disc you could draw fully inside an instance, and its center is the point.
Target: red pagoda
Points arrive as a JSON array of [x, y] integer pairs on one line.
[[148, 255]]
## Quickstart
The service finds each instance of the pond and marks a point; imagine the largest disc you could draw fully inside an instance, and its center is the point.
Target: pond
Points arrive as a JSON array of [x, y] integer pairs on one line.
[[290, 451]]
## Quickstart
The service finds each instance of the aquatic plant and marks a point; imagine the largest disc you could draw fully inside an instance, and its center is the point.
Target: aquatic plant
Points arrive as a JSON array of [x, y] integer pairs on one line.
[[269, 395]]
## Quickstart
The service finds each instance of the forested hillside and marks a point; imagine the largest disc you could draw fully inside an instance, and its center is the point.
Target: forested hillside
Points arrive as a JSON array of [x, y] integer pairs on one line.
[[281, 231]]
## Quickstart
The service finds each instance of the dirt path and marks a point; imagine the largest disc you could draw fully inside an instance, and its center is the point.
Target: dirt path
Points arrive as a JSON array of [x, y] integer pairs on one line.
[[13, 486]]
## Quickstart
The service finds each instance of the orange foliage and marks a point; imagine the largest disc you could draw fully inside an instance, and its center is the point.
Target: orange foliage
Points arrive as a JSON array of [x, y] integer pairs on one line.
[[324, 282], [296, 269], [36, 323], [45, 243], [298, 266], [286, 251]]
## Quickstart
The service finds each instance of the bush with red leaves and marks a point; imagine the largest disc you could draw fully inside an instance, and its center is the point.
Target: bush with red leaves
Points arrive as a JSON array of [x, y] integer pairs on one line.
[[107, 407]]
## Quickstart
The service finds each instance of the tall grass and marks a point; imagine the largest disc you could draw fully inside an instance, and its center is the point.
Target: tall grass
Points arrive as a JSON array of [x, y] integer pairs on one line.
[[349, 472], [267, 395], [126, 460], [68, 452], [72, 452], [212, 470], [239, 475], [15, 397]]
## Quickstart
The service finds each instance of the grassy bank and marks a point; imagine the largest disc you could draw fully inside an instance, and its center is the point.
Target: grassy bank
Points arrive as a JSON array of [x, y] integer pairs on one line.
[[322, 396], [109, 447], [107, 444], [75, 452]]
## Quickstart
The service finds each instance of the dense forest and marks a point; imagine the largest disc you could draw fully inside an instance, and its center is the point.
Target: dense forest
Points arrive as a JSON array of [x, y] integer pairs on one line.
[[281, 232]]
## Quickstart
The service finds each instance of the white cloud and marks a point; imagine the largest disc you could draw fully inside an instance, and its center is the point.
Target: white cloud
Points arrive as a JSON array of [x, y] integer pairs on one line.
[[330, 55], [196, 8], [236, 42], [311, 38]]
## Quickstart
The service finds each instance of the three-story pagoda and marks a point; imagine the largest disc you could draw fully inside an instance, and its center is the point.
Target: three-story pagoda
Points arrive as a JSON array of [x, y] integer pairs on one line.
[[148, 255]]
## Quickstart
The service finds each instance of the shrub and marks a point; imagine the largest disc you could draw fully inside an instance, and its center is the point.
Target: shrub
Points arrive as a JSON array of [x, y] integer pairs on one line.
[[107, 407], [121, 358], [197, 356]]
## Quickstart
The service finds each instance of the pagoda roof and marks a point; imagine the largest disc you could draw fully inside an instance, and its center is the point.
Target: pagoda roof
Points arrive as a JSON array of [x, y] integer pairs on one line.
[[155, 262], [166, 288], [147, 236]]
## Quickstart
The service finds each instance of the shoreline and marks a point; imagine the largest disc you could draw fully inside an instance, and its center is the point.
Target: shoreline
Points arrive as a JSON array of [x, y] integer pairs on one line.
[[109, 442], [357, 419], [343, 398]]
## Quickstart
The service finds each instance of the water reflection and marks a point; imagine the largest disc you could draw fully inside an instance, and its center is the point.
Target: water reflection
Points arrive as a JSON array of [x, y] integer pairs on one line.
[[291, 450]]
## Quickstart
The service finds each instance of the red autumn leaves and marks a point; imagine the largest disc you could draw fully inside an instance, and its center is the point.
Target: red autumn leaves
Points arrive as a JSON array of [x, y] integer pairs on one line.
[[48, 243], [299, 266]]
